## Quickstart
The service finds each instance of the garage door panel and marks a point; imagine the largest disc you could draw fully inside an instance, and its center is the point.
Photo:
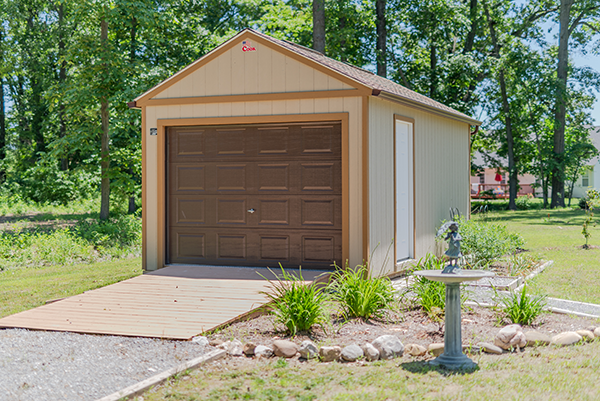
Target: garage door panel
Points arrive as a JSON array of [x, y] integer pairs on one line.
[[255, 195]]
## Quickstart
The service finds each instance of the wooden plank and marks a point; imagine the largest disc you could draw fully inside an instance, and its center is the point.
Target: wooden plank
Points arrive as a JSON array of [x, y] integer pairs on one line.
[[145, 306]]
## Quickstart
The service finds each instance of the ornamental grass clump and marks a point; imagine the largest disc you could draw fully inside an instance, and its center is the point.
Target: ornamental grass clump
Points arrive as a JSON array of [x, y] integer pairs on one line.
[[430, 295], [521, 308], [359, 295], [296, 304]]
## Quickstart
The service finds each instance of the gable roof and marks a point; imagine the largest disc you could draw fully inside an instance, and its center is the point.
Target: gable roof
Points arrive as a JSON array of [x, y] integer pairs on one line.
[[377, 85]]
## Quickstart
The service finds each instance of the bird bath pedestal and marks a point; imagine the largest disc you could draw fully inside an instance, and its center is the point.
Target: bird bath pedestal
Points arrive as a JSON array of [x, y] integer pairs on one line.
[[453, 357]]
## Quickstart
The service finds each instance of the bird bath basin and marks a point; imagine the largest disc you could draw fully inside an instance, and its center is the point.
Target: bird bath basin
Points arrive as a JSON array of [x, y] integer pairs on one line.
[[453, 357]]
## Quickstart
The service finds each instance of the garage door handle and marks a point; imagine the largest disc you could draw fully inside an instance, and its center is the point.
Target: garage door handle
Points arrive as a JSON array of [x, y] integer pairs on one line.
[[251, 210]]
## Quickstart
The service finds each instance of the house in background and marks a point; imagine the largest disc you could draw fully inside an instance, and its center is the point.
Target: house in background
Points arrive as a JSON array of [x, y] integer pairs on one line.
[[265, 152], [493, 181], [590, 176]]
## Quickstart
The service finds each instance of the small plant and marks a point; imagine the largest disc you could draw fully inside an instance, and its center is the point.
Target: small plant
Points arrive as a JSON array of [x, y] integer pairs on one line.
[[521, 308], [520, 264], [359, 294], [523, 203], [430, 296], [296, 304], [592, 196]]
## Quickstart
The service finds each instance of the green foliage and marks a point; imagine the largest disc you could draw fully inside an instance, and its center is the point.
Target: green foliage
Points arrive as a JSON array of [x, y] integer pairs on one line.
[[296, 304], [523, 203], [522, 263], [121, 232], [521, 308], [430, 295], [592, 196], [360, 295], [485, 242]]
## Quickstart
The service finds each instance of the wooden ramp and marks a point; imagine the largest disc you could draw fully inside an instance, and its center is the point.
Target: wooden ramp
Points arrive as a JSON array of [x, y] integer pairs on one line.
[[177, 302]]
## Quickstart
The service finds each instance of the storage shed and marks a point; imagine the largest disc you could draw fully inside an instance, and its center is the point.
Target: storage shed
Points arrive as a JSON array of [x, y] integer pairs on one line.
[[265, 152]]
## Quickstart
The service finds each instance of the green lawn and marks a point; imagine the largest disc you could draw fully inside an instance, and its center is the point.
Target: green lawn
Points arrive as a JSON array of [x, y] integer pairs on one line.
[[26, 288], [556, 235], [536, 374]]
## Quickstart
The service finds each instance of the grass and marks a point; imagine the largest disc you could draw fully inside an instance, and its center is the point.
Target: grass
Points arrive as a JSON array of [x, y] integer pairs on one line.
[[555, 374], [556, 235], [26, 288]]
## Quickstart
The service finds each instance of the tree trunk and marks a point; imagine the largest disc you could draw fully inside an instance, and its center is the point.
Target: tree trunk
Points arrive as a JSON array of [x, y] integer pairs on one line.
[[381, 38], [471, 35], [432, 70], [2, 124], [62, 77], [104, 115], [558, 179], [513, 179], [512, 168], [319, 25]]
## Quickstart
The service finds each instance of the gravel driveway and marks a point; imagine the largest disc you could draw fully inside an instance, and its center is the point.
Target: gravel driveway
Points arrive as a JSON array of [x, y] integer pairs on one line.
[[39, 365]]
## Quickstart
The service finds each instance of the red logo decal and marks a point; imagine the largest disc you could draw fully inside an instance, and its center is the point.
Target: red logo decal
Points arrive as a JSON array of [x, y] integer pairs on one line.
[[247, 46]]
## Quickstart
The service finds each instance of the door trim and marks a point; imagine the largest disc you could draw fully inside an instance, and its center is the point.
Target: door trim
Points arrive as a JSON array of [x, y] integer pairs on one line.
[[163, 124], [409, 120]]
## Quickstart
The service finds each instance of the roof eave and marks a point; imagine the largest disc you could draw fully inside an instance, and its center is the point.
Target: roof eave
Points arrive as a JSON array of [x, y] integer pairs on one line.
[[413, 103]]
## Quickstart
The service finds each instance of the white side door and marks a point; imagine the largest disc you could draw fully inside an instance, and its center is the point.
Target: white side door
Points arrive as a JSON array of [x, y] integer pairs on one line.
[[404, 190]]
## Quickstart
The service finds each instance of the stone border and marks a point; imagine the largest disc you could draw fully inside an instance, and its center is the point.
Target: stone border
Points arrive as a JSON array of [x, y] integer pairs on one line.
[[534, 273], [145, 385]]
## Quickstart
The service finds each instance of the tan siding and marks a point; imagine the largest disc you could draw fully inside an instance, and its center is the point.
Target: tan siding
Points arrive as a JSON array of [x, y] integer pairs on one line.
[[263, 71], [441, 161], [351, 105]]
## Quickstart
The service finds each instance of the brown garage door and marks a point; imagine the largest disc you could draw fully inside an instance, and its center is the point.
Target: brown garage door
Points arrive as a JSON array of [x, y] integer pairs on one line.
[[255, 195]]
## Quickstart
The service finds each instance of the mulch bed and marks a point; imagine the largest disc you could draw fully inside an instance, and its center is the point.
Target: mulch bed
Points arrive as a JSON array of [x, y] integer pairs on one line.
[[411, 326]]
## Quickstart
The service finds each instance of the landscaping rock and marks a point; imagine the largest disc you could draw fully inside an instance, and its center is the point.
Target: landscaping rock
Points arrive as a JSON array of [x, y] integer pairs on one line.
[[586, 335], [201, 341], [471, 349], [370, 352], [389, 346], [510, 336], [224, 345], [262, 351], [566, 338], [249, 348], [216, 342], [597, 332], [436, 349], [351, 353], [415, 350], [329, 354], [490, 348], [235, 348], [284, 348], [308, 350], [535, 338]]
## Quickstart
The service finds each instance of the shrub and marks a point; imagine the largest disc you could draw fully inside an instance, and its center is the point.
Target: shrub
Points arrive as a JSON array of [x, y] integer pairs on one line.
[[523, 203], [360, 295], [119, 232], [485, 242], [296, 304], [521, 308]]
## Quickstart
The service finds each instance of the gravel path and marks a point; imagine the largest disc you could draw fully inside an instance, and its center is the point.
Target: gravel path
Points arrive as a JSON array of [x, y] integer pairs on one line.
[[44, 365]]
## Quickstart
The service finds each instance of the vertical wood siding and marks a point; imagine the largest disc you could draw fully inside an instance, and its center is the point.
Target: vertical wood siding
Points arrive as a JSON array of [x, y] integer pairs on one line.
[[441, 163], [262, 71], [351, 105]]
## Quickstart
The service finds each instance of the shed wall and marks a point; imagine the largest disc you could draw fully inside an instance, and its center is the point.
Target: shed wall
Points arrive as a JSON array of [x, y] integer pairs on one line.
[[350, 105], [235, 72], [442, 170]]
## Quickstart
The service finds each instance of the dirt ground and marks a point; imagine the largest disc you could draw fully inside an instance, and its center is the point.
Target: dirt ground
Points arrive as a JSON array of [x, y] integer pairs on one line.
[[411, 326]]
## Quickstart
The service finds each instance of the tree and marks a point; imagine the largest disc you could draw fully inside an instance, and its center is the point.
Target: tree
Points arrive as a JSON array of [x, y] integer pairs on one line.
[[380, 22], [319, 25], [572, 16]]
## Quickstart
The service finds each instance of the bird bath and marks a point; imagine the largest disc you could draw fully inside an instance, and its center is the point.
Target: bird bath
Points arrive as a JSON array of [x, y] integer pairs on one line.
[[453, 357]]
